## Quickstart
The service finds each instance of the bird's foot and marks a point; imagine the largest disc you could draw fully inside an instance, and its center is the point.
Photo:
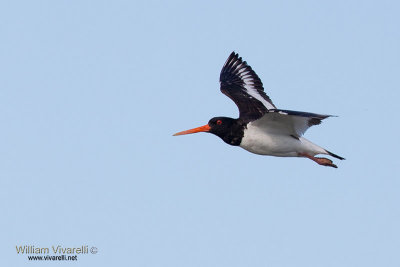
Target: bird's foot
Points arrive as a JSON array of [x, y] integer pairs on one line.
[[320, 161]]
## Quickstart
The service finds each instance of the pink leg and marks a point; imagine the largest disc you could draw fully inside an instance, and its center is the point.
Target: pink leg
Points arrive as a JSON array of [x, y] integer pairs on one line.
[[320, 161]]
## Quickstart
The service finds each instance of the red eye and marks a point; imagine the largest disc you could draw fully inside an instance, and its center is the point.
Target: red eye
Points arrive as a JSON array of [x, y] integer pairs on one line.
[[219, 122]]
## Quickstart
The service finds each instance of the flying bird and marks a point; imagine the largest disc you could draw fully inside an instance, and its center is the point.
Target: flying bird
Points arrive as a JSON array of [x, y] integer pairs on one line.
[[262, 128]]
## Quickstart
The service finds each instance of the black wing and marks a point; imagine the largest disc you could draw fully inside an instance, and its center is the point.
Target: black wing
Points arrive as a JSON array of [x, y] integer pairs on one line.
[[241, 84]]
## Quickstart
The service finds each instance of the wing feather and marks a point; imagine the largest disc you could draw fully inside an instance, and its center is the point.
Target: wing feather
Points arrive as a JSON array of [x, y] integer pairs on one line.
[[241, 84], [288, 122]]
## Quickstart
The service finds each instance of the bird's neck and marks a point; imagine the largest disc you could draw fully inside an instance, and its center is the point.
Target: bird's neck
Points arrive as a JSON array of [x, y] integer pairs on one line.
[[235, 134]]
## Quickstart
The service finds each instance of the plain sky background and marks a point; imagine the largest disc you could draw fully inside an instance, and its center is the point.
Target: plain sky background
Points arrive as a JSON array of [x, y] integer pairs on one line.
[[92, 91]]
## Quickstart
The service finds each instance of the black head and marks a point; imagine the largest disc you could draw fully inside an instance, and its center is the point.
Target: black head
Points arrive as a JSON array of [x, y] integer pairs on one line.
[[228, 129]]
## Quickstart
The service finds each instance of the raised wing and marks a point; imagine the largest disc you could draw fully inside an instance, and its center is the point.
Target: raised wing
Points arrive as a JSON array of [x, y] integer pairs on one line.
[[241, 84], [288, 122]]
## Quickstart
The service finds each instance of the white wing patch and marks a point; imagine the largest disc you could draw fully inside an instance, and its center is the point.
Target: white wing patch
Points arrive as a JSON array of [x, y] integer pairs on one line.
[[247, 78], [254, 93]]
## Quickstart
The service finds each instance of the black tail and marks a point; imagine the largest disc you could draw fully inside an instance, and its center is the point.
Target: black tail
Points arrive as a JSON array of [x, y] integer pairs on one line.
[[334, 155]]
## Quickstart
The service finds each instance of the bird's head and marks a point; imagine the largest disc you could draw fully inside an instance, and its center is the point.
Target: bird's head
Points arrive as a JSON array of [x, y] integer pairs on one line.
[[222, 127]]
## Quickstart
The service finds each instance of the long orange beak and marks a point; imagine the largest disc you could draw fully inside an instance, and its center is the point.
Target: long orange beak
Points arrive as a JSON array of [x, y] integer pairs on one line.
[[204, 128]]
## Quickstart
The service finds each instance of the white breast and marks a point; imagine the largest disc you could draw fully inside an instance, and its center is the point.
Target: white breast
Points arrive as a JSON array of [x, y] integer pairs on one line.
[[261, 141]]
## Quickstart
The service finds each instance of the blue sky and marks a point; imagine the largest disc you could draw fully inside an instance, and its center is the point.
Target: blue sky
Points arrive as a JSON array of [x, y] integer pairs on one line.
[[92, 91]]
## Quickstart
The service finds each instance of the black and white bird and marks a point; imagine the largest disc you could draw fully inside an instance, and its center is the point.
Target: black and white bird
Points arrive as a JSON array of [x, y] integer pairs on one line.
[[261, 127]]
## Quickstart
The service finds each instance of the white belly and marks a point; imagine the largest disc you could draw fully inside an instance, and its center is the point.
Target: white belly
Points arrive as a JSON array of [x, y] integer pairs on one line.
[[264, 143]]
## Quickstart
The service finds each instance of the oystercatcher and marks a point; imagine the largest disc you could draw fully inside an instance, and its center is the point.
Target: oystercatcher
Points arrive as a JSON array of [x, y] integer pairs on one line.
[[261, 127]]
